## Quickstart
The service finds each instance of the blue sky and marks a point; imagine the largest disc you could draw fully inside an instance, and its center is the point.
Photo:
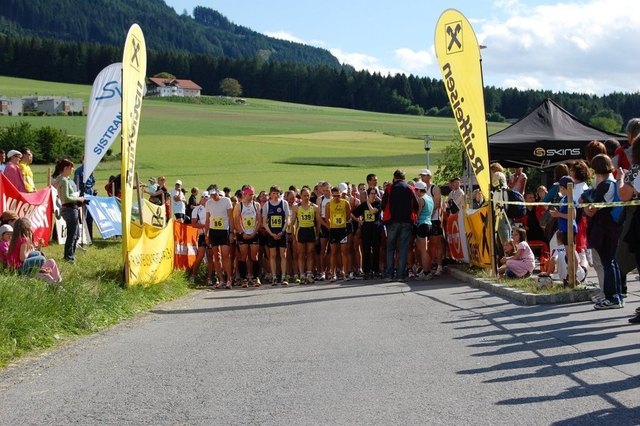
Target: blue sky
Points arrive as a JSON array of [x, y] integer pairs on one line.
[[588, 46]]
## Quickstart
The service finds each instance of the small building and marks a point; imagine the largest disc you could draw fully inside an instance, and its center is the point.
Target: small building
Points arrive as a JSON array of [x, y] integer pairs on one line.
[[10, 106], [53, 105], [172, 87]]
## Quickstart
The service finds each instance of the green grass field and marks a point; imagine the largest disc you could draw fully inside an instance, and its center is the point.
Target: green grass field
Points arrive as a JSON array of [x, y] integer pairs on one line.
[[261, 143]]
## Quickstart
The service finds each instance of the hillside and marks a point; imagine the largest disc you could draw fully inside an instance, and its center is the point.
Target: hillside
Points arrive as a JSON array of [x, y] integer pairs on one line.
[[107, 22]]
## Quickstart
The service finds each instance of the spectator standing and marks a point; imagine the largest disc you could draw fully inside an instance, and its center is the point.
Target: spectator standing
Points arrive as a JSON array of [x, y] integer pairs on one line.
[[25, 170], [178, 202], [477, 200], [198, 220], [12, 170], [152, 186], [3, 158], [68, 194], [604, 230], [400, 207], [193, 202], [518, 180], [456, 195], [499, 196], [86, 188]]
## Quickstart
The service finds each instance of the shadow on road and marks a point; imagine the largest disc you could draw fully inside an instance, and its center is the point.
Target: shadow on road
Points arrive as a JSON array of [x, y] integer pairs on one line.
[[535, 330]]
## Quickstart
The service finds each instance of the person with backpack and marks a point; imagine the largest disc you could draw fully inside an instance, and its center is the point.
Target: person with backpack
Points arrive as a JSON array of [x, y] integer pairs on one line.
[[400, 209], [603, 231]]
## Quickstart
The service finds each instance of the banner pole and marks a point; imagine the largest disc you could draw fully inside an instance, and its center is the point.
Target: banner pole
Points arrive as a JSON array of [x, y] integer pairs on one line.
[[139, 198], [492, 244], [571, 259]]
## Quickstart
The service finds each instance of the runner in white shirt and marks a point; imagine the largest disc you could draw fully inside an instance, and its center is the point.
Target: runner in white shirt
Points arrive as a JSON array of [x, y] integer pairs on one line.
[[219, 217]]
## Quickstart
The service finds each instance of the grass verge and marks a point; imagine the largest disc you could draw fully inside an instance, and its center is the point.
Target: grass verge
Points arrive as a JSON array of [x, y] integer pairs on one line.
[[524, 284], [35, 316]]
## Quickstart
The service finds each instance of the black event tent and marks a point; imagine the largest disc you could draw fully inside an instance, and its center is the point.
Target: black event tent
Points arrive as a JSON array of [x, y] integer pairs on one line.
[[546, 136]]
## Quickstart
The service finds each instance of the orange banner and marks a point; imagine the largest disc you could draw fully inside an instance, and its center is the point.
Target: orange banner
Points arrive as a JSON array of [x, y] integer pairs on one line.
[[186, 243]]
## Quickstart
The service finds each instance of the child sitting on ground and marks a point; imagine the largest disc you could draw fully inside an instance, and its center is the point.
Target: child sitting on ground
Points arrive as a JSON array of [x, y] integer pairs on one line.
[[559, 263], [5, 237], [521, 263], [25, 257], [509, 248]]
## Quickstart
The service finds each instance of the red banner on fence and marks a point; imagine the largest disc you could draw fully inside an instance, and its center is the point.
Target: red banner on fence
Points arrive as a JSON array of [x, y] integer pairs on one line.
[[36, 206], [186, 241]]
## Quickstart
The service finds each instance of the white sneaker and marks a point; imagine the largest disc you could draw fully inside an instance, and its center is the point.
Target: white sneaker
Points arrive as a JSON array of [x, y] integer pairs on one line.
[[425, 277], [438, 271]]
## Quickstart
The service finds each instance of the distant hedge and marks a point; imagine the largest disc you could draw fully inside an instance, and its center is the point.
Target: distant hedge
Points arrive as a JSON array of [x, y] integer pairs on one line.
[[46, 143]]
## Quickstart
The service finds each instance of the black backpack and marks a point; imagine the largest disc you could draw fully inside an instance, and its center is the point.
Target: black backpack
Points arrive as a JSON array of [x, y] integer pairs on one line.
[[515, 211]]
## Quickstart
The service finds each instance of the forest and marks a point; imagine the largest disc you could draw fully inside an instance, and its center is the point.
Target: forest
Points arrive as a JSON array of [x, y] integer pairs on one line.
[[67, 41]]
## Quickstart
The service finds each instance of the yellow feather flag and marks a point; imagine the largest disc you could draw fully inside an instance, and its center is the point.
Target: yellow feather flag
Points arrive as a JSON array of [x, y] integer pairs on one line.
[[458, 55], [134, 70]]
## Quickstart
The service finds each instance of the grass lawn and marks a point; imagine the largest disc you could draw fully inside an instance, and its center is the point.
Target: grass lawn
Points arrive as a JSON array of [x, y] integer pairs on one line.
[[262, 143], [35, 316]]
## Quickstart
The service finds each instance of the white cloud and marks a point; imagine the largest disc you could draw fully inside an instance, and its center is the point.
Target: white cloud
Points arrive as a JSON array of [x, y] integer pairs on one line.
[[589, 47], [523, 82], [363, 61], [413, 61], [284, 35]]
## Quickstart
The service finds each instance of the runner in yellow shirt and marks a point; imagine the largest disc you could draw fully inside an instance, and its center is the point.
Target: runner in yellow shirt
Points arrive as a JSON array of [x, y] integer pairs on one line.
[[337, 213], [306, 223]]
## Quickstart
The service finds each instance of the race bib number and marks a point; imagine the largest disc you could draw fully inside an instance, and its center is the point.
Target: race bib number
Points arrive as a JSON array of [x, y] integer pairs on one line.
[[307, 217], [338, 220], [217, 223], [369, 216], [276, 221], [249, 222]]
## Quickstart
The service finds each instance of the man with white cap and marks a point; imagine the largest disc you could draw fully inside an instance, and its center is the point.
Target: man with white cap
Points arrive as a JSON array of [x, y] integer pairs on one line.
[[12, 170], [436, 238], [178, 202], [219, 211]]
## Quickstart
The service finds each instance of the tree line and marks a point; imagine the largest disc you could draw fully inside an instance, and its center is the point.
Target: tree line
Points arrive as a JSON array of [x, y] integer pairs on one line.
[[76, 62], [107, 21]]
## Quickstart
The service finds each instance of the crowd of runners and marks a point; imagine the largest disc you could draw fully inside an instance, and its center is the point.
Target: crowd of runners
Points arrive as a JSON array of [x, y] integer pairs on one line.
[[302, 235]]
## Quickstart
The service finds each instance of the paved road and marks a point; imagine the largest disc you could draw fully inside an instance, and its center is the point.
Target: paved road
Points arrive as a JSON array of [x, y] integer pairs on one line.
[[390, 353]]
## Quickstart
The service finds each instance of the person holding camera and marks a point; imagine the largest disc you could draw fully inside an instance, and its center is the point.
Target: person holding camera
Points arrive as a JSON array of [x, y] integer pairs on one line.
[[71, 201]]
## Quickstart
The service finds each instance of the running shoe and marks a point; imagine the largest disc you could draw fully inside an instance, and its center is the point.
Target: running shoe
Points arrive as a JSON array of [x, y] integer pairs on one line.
[[607, 304]]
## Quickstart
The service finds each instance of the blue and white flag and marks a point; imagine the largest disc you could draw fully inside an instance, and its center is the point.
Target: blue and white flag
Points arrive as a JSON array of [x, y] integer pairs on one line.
[[104, 119], [106, 215]]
